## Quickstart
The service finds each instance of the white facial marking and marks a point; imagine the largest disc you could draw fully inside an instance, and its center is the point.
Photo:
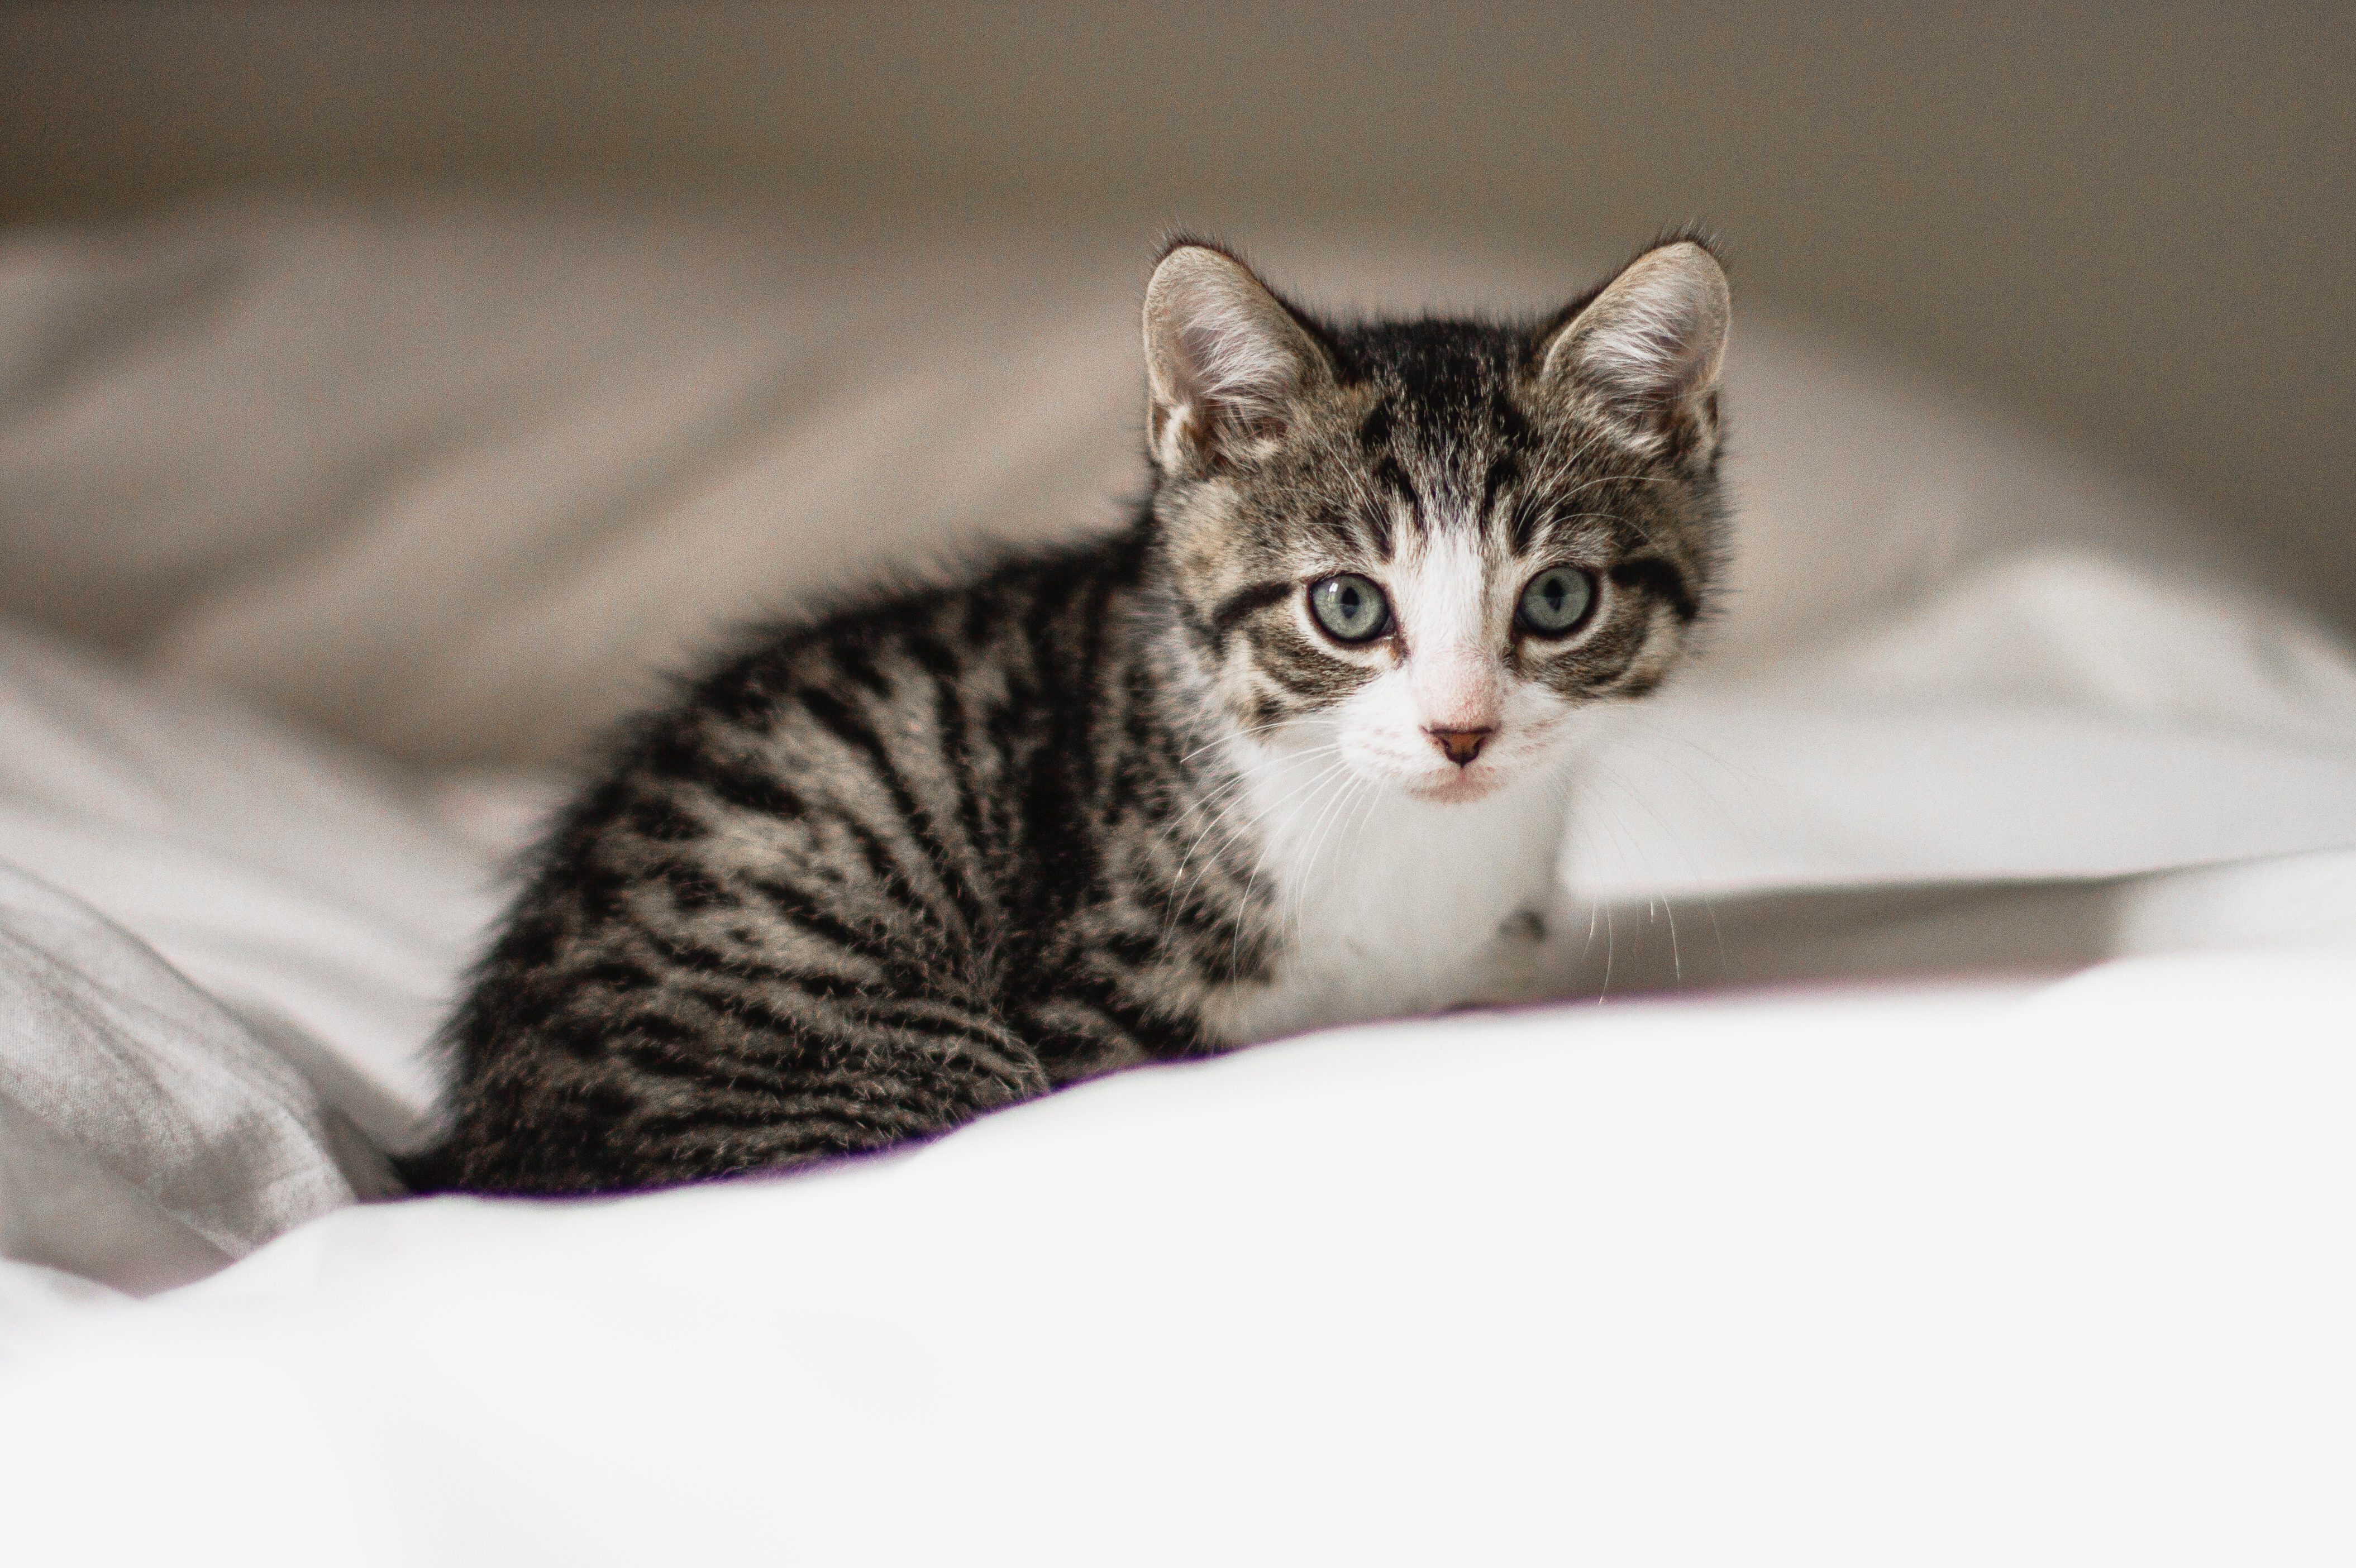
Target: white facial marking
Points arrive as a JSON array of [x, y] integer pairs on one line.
[[1450, 677], [1452, 670]]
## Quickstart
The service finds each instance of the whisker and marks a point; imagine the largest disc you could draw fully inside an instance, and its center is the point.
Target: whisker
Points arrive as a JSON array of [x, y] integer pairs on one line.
[[1236, 735], [1229, 797], [1242, 774], [1300, 896], [1239, 799], [1611, 942], [1243, 901], [1354, 786]]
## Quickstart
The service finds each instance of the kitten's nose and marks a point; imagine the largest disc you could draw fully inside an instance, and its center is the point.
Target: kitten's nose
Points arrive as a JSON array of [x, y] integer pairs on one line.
[[1460, 745]]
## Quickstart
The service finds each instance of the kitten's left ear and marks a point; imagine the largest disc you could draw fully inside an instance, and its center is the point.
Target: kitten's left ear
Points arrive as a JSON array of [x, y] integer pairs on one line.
[[1227, 360], [1651, 345]]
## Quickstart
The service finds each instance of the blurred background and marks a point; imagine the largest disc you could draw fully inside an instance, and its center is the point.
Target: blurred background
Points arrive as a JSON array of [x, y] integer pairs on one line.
[[2134, 221], [290, 281]]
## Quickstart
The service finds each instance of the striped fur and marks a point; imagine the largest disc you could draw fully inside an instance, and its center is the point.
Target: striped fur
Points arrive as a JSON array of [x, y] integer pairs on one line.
[[879, 873]]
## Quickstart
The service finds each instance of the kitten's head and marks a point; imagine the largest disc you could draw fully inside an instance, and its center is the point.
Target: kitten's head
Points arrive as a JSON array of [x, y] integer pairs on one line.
[[1438, 544]]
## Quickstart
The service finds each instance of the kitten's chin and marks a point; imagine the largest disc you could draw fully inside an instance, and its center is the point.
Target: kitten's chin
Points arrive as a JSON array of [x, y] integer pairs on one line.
[[1458, 788]]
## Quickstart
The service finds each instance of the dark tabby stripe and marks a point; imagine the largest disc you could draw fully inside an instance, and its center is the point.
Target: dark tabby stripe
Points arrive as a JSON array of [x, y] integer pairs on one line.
[[835, 972]]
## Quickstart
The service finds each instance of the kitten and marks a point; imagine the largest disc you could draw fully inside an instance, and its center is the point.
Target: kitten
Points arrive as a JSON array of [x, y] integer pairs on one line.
[[1287, 751]]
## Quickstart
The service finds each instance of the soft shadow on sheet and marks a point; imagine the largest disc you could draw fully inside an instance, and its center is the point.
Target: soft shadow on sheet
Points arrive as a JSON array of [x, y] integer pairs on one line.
[[1943, 931]]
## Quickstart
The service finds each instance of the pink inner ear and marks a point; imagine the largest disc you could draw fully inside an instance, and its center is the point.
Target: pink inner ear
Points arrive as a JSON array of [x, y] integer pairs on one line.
[[1224, 346], [1238, 373], [1656, 333]]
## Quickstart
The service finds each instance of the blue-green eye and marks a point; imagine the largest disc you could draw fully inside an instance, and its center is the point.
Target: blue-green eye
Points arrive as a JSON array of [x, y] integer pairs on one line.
[[1350, 608], [1557, 600]]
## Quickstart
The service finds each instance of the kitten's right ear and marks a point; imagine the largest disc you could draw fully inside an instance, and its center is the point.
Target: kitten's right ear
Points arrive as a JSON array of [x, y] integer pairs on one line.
[[1650, 346], [1226, 361]]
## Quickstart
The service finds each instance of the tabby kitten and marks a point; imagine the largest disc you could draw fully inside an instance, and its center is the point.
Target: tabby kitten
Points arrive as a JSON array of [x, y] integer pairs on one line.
[[1286, 751]]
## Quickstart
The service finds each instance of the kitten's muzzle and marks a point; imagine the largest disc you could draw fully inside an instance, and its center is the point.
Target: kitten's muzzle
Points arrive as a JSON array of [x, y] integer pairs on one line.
[[1460, 746]]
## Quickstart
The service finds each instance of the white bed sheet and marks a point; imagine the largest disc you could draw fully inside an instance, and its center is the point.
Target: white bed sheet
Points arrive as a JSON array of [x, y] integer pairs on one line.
[[1916, 1278]]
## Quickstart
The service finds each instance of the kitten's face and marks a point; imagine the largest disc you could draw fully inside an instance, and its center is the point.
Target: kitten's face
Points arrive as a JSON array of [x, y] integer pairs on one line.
[[1441, 548]]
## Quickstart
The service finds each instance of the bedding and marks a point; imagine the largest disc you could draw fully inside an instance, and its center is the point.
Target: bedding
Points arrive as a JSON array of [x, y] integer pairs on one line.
[[1928, 1277], [1942, 1156]]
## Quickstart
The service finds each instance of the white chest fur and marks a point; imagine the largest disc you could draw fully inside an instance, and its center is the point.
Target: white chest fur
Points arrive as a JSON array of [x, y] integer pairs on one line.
[[1392, 905]]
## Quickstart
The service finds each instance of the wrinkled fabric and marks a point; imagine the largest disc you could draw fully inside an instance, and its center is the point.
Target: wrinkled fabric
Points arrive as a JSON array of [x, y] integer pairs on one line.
[[1924, 1276], [314, 895], [146, 1137]]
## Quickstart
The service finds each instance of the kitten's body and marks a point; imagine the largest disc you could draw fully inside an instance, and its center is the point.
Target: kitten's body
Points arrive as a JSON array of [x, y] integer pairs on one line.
[[1128, 802]]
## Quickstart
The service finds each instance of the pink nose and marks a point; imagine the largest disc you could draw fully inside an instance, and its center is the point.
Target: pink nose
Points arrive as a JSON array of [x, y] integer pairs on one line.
[[1460, 746]]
